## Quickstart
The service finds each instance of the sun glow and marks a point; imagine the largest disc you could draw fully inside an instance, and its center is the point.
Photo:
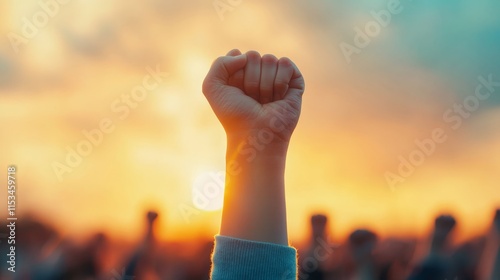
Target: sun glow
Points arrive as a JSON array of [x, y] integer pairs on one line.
[[208, 191]]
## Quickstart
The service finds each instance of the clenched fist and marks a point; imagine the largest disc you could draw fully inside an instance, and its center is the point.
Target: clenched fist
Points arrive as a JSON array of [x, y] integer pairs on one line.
[[249, 93]]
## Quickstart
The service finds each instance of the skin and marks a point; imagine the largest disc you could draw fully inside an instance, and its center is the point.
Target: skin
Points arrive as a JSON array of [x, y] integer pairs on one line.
[[257, 99]]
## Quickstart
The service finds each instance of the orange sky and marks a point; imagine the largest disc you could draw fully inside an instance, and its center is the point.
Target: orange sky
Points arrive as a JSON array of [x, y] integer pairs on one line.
[[357, 120]]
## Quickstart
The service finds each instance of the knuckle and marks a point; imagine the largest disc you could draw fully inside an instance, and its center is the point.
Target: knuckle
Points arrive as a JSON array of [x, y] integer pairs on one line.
[[285, 61], [253, 54], [219, 60], [269, 58]]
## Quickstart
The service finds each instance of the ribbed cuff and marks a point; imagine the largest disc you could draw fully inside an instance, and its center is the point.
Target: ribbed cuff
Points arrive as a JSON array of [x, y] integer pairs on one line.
[[238, 259]]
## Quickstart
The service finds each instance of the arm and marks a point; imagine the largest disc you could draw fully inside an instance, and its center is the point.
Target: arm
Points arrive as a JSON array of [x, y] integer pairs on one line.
[[254, 202], [257, 100], [362, 243], [147, 243]]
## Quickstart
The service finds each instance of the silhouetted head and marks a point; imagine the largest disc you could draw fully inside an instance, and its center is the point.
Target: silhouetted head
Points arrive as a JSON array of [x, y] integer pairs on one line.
[[361, 237]]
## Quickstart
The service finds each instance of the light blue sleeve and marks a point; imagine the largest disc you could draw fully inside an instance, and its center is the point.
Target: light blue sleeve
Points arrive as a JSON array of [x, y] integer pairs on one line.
[[238, 259]]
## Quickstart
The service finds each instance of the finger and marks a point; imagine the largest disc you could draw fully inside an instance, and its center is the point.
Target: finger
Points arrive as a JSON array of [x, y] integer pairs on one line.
[[252, 75], [233, 52], [222, 68], [236, 80], [283, 76], [269, 66], [297, 80], [296, 86]]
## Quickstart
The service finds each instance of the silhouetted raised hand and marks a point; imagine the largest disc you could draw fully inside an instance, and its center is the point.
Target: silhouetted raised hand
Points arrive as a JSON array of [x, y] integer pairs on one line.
[[314, 260], [443, 226], [318, 225], [151, 216], [437, 264], [141, 257]]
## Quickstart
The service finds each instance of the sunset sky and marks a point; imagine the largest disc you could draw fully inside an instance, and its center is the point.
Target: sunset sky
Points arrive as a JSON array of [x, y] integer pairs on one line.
[[363, 113]]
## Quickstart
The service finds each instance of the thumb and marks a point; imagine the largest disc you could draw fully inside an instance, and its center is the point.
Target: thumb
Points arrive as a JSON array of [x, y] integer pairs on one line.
[[222, 68]]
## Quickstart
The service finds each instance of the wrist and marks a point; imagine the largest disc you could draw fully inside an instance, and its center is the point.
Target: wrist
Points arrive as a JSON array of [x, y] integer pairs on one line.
[[257, 143], [247, 157], [255, 189]]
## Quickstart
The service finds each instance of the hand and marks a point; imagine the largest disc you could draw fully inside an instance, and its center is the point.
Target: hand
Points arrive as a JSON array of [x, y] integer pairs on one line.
[[151, 216], [249, 93], [318, 223], [444, 224]]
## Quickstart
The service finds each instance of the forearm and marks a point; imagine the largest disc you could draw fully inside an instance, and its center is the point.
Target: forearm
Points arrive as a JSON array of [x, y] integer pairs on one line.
[[254, 202], [438, 243]]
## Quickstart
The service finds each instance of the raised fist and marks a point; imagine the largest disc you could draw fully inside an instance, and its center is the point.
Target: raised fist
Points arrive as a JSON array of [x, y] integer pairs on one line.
[[151, 216], [444, 224], [318, 224], [249, 93]]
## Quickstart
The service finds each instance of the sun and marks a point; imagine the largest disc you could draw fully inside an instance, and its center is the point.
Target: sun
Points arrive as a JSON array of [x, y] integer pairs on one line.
[[208, 191]]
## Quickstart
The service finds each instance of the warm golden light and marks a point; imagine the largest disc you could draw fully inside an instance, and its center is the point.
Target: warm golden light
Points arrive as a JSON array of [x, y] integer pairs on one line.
[[208, 191], [357, 119]]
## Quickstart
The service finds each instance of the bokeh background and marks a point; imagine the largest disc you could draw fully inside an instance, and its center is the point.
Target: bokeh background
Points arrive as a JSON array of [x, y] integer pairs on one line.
[[359, 117]]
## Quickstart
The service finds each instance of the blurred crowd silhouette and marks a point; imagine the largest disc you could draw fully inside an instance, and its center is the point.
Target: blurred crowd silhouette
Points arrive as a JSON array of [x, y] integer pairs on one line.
[[43, 254], [365, 257]]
